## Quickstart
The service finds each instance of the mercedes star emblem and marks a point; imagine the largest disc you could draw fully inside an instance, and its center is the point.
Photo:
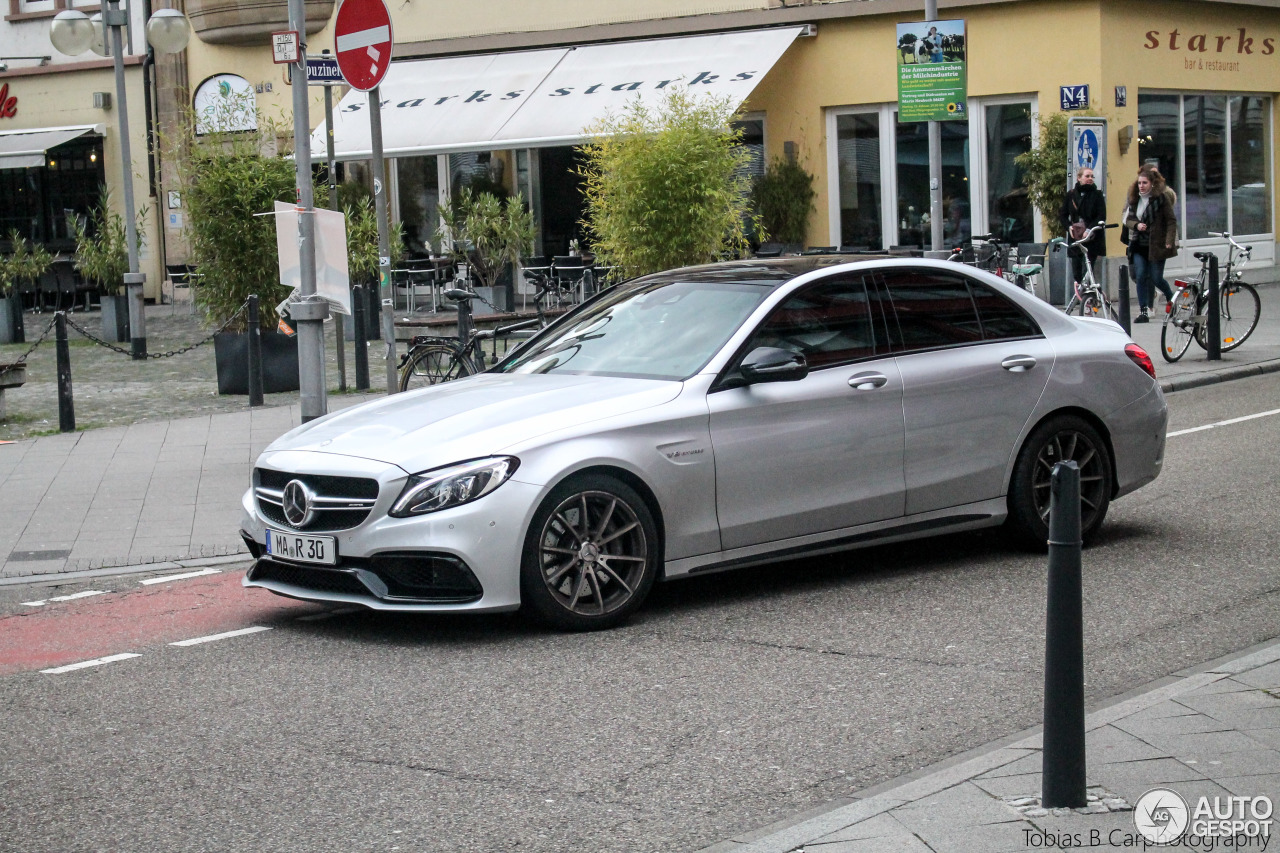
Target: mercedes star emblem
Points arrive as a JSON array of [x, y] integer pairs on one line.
[[297, 500]]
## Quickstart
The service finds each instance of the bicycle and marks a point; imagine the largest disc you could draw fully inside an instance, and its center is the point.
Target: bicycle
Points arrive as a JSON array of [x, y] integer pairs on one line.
[[432, 359], [1000, 258], [1187, 314], [1089, 299]]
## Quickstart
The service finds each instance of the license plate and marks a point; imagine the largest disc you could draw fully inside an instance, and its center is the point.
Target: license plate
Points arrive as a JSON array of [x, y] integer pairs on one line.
[[301, 548]]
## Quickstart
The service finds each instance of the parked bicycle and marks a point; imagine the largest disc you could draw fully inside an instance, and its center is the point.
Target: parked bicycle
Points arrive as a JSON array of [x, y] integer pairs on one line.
[[434, 359], [999, 256], [1238, 305], [1089, 299]]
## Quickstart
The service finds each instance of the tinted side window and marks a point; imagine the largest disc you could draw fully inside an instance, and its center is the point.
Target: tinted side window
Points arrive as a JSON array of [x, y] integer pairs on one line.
[[1001, 318], [829, 323], [934, 309]]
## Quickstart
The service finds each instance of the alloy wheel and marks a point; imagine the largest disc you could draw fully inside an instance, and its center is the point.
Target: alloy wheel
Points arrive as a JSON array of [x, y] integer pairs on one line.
[[593, 553]]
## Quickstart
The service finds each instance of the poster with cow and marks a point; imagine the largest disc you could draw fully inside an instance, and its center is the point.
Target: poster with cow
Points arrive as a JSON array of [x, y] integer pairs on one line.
[[931, 71]]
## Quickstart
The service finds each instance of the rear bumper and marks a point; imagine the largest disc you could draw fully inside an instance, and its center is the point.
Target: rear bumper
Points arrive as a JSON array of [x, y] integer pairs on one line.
[[1138, 440]]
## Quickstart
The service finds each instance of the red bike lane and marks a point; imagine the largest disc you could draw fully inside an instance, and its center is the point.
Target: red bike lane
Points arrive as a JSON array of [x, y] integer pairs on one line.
[[135, 617]]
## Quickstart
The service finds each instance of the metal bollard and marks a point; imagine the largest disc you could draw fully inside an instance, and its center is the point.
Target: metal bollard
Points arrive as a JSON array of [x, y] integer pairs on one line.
[[1213, 330], [66, 409], [362, 338], [255, 353], [339, 336], [1063, 759], [1123, 293]]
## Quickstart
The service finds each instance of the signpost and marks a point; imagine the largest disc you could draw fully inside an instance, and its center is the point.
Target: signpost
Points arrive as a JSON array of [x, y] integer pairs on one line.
[[1088, 140], [323, 70], [363, 34]]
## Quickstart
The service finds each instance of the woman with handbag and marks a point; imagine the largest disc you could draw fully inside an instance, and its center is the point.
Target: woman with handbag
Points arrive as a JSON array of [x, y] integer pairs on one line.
[[1151, 219], [1084, 207]]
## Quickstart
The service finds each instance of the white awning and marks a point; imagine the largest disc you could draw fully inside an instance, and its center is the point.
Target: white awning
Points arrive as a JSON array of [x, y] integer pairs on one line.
[[23, 149], [543, 97]]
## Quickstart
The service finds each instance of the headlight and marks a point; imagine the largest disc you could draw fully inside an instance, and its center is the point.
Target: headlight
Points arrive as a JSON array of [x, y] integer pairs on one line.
[[453, 485]]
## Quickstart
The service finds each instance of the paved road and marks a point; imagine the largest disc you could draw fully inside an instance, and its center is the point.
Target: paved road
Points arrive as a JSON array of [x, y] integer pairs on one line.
[[730, 702]]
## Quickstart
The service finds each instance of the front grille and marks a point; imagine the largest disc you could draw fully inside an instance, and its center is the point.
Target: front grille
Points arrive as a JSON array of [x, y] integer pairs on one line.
[[317, 580], [341, 502], [418, 575]]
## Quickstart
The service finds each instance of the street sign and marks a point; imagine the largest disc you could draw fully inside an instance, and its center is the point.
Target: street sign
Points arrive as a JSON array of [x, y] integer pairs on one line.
[[284, 47], [363, 34], [323, 71], [1074, 97]]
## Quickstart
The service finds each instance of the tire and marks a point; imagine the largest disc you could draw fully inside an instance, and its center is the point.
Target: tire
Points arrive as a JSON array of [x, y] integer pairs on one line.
[[1091, 306], [433, 364], [1179, 326], [1239, 308], [1060, 438], [587, 577]]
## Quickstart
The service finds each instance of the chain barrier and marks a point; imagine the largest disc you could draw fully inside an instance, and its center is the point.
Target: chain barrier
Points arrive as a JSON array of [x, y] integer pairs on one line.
[[22, 359], [244, 307]]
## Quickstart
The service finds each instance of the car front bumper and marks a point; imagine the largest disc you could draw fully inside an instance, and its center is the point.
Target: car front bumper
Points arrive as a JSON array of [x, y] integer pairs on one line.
[[379, 559]]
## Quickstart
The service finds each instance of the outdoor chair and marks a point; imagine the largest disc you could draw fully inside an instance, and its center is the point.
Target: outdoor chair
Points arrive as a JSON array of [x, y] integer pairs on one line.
[[568, 272]]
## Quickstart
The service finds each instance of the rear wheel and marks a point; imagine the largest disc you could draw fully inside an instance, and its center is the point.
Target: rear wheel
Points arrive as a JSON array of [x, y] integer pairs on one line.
[[1240, 308], [591, 554], [433, 364], [1061, 438], [1179, 325], [1091, 306]]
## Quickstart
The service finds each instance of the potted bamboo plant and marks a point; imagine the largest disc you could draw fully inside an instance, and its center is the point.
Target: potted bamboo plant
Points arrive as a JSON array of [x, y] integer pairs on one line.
[[102, 256], [228, 177], [25, 262], [489, 234]]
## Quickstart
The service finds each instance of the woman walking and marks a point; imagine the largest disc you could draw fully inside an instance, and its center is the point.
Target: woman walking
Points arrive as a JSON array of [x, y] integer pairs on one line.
[[1152, 223], [1084, 207]]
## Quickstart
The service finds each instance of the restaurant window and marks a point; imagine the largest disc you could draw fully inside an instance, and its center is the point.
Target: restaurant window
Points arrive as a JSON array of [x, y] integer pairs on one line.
[[418, 198], [858, 174], [1223, 146], [44, 203], [912, 140], [1008, 135]]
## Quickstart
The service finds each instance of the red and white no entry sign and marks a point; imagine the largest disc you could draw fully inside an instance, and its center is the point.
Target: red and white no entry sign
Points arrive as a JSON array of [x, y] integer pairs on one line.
[[363, 32]]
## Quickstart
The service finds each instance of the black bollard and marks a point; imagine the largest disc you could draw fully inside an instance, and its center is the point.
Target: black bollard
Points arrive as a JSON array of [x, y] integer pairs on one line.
[[1063, 768], [362, 346], [339, 335], [66, 410], [1213, 330], [255, 353], [1124, 300]]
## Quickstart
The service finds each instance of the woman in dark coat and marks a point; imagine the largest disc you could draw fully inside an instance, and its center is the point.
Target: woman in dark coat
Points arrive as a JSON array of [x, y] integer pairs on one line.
[[1086, 206], [1152, 222]]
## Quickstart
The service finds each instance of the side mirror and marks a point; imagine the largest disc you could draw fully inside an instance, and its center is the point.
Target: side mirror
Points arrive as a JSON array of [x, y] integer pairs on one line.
[[770, 364]]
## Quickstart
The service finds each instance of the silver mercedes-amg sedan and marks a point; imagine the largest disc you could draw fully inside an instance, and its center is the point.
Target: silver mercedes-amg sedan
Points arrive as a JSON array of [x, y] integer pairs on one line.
[[703, 419]]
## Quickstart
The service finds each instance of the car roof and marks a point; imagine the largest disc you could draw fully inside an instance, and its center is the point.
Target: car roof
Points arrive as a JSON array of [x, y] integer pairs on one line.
[[768, 272]]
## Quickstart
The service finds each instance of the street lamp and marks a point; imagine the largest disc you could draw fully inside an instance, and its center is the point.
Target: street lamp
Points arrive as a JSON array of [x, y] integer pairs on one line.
[[73, 32]]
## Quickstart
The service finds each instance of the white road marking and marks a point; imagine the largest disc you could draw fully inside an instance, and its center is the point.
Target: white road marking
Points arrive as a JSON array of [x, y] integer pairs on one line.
[[84, 664], [167, 578], [328, 614], [1224, 423], [72, 597], [212, 637]]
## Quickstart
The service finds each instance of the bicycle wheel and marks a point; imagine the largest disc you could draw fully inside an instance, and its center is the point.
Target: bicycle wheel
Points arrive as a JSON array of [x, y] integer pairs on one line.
[[1239, 309], [1179, 325], [1091, 306], [433, 364]]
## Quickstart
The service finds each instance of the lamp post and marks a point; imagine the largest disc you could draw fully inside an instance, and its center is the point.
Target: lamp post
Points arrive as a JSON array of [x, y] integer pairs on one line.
[[73, 33]]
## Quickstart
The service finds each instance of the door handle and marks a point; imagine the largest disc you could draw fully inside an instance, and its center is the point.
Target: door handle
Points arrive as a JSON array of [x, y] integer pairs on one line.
[[1018, 363], [867, 381]]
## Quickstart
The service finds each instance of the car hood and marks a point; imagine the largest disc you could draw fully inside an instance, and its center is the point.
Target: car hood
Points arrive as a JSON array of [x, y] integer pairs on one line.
[[473, 417]]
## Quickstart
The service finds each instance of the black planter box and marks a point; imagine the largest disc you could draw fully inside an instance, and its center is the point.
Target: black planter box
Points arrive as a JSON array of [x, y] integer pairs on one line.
[[279, 362], [11, 330], [372, 316], [115, 318]]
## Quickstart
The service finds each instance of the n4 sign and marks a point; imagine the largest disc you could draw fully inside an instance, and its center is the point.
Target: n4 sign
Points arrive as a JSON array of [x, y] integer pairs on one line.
[[363, 34], [1074, 97]]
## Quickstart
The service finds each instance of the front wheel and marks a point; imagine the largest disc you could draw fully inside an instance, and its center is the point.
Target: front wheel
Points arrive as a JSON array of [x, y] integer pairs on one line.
[[1239, 309], [591, 554], [1179, 325], [432, 364], [1059, 439]]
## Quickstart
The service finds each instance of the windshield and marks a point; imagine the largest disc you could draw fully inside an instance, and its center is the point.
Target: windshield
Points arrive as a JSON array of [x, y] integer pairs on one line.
[[661, 330]]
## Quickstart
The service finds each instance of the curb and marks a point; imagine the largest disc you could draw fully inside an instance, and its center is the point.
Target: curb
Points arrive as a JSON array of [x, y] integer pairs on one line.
[[1213, 377], [793, 833], [138, 568]]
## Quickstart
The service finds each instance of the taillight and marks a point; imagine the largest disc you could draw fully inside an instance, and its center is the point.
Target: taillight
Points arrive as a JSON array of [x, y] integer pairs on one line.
[[1139, 357]]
